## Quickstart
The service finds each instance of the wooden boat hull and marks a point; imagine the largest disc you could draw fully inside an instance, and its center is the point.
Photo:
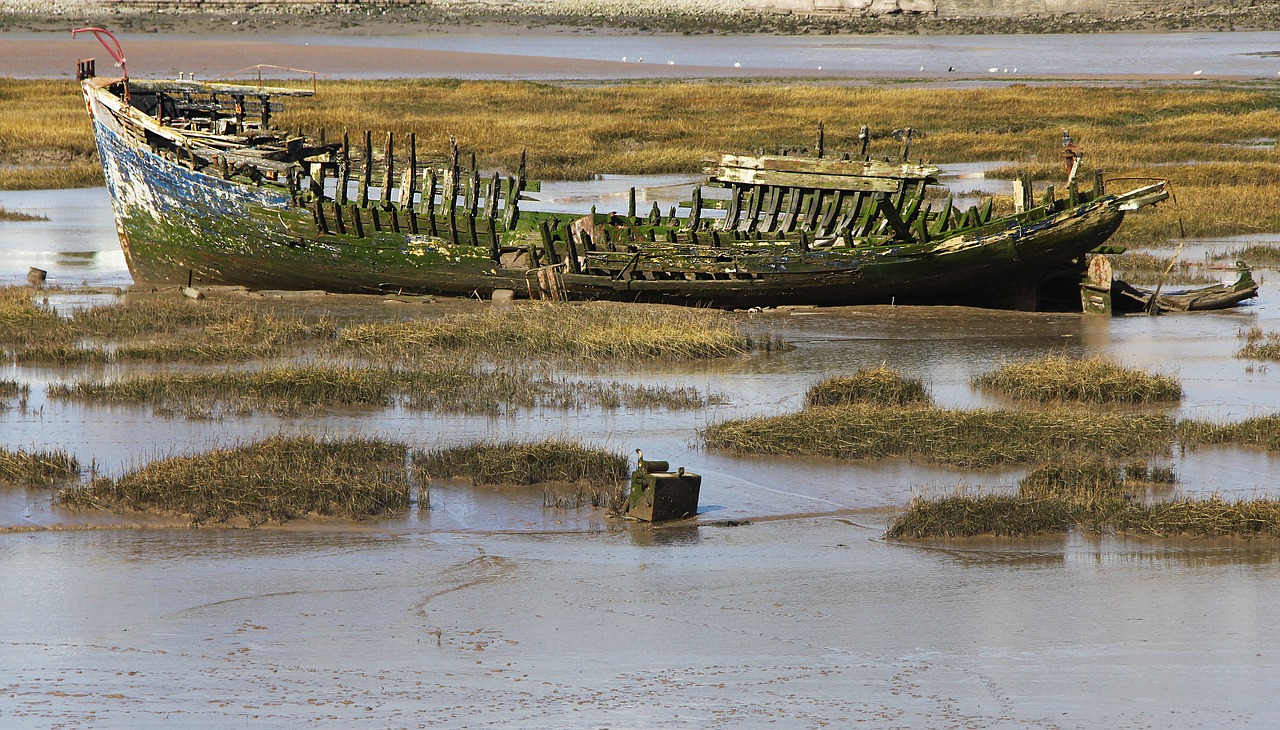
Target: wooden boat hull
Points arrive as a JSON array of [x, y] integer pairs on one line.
[[181, 224]]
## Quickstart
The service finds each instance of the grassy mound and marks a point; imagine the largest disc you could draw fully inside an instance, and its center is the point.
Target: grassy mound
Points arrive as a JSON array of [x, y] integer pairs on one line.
[[1088, 380], [959, 437], [273, 480], [877, 386], [593, 331], [571, 474], [37, 468]]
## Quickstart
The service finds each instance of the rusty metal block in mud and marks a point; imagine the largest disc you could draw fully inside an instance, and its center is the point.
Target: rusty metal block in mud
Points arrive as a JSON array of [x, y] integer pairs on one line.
[[658, 495]]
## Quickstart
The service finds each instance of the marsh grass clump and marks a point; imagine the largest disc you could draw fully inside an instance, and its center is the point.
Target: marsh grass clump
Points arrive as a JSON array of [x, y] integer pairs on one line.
[[1260, 255], [1258, 344], [278, 479], [1021, 516], [19, 216], [23, 322], [876, 386], [965, 515], [1086, 480], [1211, 517], [1144, 269], [440, 385], [590, 331], [37, 468], [1261, 431], [525, 463], [55, 353], [1084, 380], [959, 437], [571, 474]]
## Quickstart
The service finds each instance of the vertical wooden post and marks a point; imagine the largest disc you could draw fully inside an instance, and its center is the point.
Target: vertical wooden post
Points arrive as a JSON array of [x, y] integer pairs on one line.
[[344, 169], [388, 178], [356, 220], [366, 177], [429, 201], [695, 212], [450, 201]]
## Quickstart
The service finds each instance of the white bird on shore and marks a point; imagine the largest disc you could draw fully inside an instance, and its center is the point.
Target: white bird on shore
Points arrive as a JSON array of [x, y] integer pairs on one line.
[[1015, 69], [1277, 72], [671, 63], [922, 68], [992, 70], [1197, 72], [640, 59], [737, 65], [624, 59]]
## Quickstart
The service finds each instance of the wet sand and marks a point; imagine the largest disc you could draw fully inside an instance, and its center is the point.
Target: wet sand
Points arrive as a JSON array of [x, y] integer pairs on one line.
[[806, 623]]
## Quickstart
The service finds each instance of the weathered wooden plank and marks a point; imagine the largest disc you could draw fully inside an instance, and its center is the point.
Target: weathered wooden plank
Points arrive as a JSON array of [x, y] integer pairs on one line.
[[744, 176], [890, 213], [824, 167], [753, 209], [793, 210], [828, 219]]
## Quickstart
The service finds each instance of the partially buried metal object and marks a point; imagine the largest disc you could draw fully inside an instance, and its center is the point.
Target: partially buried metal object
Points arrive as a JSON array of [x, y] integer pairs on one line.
[[658, 494]]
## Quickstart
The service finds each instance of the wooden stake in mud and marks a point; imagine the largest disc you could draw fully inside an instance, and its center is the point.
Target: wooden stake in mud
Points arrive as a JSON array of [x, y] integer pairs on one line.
[[366, 177], [337, 218], [513, 199], [450, 200], [822, 138], [574, 264], [356, 221], [491, 215], [388, 177], [410, 188], [429, 201], [344, 169], [631, 205], [473, 205], [695, 208]]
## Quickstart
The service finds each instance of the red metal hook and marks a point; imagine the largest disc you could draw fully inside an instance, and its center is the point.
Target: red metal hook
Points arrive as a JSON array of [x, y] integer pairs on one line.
[[113, 48]]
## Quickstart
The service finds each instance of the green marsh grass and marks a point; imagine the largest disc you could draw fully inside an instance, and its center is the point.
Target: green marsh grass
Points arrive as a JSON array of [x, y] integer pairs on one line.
[[37, 468], [876, 386], [275, 480], [970, 438], [1094, 379]]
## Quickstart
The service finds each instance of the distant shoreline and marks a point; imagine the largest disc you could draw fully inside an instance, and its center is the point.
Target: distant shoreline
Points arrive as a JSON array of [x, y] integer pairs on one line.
[[696, 18]]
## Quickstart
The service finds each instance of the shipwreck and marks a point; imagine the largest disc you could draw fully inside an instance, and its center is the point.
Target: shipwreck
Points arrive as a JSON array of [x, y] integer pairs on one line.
[[207, 191]]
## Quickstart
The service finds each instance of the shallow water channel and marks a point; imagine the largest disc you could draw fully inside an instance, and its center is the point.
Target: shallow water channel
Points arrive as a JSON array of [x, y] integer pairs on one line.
[[488, 610]]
